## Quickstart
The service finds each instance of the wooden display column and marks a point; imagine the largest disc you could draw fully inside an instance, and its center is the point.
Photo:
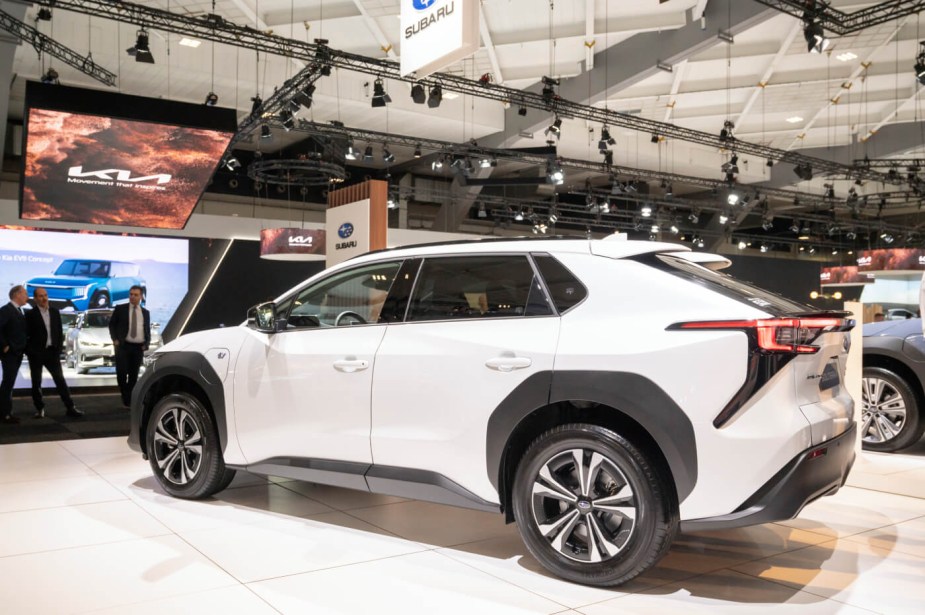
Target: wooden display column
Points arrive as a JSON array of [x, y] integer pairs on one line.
[[357, 220]]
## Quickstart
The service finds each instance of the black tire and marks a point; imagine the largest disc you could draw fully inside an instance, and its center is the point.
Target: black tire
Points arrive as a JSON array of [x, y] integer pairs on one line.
[[83, 370], [882, 416], [99, 300], [193, 468], [635, 548]]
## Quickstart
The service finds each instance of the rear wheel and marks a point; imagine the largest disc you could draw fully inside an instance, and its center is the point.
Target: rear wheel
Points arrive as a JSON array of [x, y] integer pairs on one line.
[[592, 507], [890, 417], [184, 450]]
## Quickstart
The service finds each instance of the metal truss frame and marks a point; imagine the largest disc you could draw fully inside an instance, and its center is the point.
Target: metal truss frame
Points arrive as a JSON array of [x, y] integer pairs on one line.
[[215, 28], [45, 44], [842, 23]]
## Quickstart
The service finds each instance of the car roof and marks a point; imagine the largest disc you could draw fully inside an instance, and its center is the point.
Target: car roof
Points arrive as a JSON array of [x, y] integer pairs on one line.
[[612, 247]]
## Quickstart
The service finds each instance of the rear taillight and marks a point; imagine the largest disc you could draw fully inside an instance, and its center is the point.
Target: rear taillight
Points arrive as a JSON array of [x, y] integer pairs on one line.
[[777, 335]]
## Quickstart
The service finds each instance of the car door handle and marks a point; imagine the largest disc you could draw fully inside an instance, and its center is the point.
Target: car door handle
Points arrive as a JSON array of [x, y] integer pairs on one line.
[[348, 366], [508, 364]]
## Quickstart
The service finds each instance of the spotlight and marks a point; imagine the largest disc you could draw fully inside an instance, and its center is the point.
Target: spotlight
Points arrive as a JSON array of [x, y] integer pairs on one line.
[[549, 89], [698, 241], [232, 163], [257, 102], [211, 99], [141, 51], [417, 151], [886, 237], [765, 247], [794, 226], [380, 97], [487, 163], [555, 128], [732, 166], [436, 97], [522, 111], [286, 118], [265, 132], [816, 42], [769, 163], [733, 198], [554, 173], [920, 64], [726, 134], [553, 218], [368, 154], [519, 216], [608, 158], [694, 216], [654, 229], [723, 218], [606, 140], [418, 94], [43, 15], [767, 223], [437, 164], [392, 203], [655, 138], [645, 211], [674, 228], [803, 171], [829, 191], [742, 244], [304, 99], [851, 234], [351, 153], [605, 207], [812, 249], [669, 191], [481, 212], [50, 77], [387, 156]]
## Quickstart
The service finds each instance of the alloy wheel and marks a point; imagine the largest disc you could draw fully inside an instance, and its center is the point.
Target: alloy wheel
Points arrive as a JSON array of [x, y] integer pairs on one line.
[[178, 446], [883, 415], [583, 505]]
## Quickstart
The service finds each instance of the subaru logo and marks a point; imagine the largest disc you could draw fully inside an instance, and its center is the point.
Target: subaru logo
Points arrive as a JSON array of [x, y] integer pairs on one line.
[[584, 505], [421, 5], [346, 229]]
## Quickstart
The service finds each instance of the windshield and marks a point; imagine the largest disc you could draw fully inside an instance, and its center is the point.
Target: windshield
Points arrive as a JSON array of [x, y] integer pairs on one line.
[[90, 269], [97, 320]]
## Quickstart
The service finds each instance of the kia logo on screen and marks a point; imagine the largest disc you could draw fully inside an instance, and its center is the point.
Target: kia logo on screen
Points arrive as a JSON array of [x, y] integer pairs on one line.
[[422, 5], [346, 229], [301, 240], [116, 175]]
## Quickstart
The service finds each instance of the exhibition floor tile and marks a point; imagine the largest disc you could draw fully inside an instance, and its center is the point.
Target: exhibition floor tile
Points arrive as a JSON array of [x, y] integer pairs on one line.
[[86, 528]]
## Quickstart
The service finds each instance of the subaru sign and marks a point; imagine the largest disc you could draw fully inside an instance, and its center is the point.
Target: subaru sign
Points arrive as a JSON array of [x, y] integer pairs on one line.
[[437, 33], [345, 230]]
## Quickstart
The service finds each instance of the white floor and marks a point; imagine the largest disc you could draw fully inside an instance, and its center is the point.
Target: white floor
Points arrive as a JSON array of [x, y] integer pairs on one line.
[[83, 528]]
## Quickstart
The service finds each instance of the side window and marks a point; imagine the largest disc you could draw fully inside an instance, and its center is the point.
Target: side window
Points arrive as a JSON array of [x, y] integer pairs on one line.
[[353, 297], [464, 287], [565, 290]]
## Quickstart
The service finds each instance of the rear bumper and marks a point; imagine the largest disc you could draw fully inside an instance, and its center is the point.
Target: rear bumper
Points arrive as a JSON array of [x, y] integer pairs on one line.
[[817, 471]]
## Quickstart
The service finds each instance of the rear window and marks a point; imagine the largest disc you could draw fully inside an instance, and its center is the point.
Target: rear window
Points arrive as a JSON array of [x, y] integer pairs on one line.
[[731, 287]]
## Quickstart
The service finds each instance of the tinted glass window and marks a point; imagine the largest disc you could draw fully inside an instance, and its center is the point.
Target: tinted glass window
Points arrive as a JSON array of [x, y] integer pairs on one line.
[[475, 287], [732, 287], [564, 288], [93, 269], [348, 298]]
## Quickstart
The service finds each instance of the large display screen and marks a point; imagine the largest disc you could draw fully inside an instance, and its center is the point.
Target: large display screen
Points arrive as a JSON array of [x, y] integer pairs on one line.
[[85, 275], [103, 158]]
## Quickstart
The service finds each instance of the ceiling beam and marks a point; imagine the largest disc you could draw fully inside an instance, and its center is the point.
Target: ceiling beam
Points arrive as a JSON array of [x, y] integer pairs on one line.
[[889, 116], [490, 48], [768, 73], [846, 85], [589, 34], [678, 70], [377, 32]]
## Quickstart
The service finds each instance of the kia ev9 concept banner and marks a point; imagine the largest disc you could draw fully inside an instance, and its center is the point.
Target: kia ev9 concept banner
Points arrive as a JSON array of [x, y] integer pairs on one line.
[[85, 276], [104, 158]]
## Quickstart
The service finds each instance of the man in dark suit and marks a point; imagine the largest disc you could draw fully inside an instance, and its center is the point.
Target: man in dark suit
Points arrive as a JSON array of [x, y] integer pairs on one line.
[[12, 345], [44, 346], [130, 330]]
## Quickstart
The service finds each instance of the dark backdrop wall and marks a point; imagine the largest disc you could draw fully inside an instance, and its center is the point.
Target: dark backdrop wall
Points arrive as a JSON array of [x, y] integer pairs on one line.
[[792, 279], [242, 280]]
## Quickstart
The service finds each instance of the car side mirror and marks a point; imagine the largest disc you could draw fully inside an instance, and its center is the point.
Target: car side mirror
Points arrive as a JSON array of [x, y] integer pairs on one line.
[[263, 317]]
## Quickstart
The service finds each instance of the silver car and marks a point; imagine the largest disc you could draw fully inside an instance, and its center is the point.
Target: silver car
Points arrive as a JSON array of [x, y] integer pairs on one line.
[[88, 344]]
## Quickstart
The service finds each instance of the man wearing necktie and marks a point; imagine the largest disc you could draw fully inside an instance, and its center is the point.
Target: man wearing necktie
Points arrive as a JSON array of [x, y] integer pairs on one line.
[[44, 346], [12, 346], [130, 330]]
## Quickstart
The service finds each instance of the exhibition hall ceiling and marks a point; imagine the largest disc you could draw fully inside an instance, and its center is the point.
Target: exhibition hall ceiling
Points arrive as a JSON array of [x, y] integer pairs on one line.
[[765, 81]]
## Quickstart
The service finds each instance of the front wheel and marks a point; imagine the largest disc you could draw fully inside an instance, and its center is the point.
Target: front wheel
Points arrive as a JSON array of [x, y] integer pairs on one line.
[[592, 507], [890, 416], [184, 450], [99, 300]]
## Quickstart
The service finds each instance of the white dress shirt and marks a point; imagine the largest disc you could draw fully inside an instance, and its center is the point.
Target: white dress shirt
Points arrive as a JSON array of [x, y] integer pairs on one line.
[[140, 338], [46, 318]]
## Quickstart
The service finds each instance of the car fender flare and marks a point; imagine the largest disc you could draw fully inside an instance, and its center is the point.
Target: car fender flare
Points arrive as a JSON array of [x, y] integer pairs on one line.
[[191, 365], [635, 396]]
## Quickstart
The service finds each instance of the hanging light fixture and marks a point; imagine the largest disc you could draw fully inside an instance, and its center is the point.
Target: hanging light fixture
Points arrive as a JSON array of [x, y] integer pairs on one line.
[[418, 94], [555, 129], [141, 51], [380, 96], [436, 96], [816, 41], [606, 140]]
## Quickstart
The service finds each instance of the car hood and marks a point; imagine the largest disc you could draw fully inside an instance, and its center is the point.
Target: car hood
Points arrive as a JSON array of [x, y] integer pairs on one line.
[[95, 334], [63, 280], [894, 328]]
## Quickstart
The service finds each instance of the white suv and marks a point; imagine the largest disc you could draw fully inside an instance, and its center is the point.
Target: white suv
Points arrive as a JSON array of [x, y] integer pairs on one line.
[[603, 394]]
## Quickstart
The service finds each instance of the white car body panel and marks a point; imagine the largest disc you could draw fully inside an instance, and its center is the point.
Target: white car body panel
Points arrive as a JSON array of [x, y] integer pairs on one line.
[[417, 423]]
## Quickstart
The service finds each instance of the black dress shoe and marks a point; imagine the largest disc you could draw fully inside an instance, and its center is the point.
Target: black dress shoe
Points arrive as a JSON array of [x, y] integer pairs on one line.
[[75, 413], [39, 414], [10, 419]]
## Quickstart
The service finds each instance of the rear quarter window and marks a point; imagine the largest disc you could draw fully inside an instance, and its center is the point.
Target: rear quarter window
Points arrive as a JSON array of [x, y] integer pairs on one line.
[[565, 290]]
